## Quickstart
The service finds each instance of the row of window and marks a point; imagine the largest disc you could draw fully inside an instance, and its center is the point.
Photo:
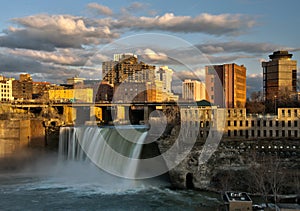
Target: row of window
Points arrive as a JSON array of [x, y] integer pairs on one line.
[[5, 95], [245, 134], [264, 123], [289, 113], [4, 90], [264, 133]]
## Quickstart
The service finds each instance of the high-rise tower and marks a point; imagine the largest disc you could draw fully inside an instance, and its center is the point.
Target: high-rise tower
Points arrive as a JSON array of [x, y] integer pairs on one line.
[[226, 85], [280, 74]]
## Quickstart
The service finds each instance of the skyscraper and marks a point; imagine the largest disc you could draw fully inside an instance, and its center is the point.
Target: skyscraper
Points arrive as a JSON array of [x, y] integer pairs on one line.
[[165, 75], [280, 74], [193, 90], [226, 85]]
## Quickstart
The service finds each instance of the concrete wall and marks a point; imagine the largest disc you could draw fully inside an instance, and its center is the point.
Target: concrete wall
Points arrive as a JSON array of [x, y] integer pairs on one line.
[[18, 134], [37, 133], [13, 135]]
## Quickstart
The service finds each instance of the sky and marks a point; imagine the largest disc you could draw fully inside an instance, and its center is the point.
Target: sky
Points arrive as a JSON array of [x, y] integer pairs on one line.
[[55, 40]]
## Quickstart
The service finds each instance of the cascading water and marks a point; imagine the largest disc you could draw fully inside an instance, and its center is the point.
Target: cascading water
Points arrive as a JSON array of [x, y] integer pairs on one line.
[[115, 150]]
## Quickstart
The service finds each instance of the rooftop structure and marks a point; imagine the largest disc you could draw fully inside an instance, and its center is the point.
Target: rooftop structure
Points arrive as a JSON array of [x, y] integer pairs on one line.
[[238, 201]]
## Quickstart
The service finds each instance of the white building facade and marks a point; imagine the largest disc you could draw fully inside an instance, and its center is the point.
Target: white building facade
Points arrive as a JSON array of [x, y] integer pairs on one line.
[[6, 89]]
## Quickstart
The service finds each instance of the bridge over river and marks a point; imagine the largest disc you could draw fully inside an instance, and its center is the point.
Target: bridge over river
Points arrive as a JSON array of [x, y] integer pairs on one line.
[[105, 112]]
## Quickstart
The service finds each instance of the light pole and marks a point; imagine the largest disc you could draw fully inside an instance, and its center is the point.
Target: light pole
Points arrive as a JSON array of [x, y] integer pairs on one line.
[[275, 101]]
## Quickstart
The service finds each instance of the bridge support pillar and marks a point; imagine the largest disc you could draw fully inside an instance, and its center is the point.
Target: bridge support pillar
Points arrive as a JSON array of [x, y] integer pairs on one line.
[[82, 115]]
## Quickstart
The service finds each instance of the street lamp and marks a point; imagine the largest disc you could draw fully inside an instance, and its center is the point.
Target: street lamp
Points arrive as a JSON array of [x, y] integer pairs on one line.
[[275, 101]]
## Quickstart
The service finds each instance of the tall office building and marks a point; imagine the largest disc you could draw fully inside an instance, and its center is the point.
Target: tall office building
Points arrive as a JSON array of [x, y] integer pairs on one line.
[[280, 73], [193, 90], [226, 85]]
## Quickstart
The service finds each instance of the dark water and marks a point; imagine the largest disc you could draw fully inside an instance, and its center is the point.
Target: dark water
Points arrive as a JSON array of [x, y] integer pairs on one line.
[[71, 185]]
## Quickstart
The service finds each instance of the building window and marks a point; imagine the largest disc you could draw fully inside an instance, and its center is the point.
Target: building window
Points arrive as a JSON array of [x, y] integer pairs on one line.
[[289, 123], [212, 88], [265, 133], [270, 123], [296, 133], [277, 133], [289, 133], [277, 124], [283, 123], [212, 97], [258, 123], [289, 113], [246, 123], [241, 123], [235, 132], [265, 123], [241, 133], [229, 133], [201, 124], [234, 123], [258, 133], [201, 133], [247, 134], [252, 133], [283, 133], [228, 123], [271, 133], [295, 123], [252, 123]]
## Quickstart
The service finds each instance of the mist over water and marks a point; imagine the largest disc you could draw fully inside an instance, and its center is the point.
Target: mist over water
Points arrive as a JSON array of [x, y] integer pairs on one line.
[[53, 181]]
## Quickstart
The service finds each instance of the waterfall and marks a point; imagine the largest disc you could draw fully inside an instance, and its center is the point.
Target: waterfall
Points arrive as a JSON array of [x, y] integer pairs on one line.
[[113, 149]]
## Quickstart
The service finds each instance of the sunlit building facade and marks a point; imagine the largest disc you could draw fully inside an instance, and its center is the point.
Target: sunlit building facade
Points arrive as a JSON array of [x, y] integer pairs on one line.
[[71, 95], [226, 85], [6, 89], [280, 74], [193, 90]]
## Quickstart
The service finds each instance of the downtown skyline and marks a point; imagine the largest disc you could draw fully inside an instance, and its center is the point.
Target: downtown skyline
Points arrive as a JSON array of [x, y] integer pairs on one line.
[[55, 40]]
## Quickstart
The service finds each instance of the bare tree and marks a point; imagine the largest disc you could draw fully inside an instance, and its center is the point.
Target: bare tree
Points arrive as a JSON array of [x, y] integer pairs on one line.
[[268, 176], [276, 176], [259, 175], [255, 104]]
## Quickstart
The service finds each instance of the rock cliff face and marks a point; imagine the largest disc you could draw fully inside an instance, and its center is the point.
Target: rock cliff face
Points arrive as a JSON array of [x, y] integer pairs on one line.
[[230, 166]]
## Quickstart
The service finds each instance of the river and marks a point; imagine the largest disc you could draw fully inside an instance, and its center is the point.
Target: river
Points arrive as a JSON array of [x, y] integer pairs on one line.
[[51, 184]]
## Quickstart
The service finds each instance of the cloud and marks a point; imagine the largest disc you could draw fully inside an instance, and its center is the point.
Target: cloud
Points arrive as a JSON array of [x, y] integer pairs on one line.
[[100, 9], [53, 69], [240, 47], [14, 65], [47, 32], [223, 24], [197, 74], [60, 56], [149, 55], [134, 7], [254, 83]]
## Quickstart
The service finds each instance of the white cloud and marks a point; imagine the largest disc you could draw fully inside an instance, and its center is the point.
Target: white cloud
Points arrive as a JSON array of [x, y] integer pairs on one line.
[[47, 32], [150, 55]]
